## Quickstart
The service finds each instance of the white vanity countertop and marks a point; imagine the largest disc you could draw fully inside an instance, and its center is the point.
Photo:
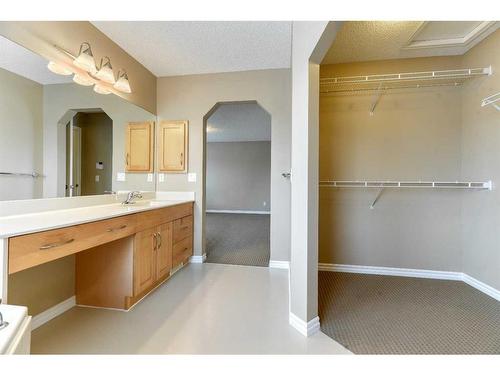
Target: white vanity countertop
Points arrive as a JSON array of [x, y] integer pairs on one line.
[[16, 225], [15, 315]]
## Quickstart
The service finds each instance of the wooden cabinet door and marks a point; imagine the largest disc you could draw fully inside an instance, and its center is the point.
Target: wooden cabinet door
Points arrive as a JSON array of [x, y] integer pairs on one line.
[[173, 146], [144, 260], [164, 251], [139, 147]]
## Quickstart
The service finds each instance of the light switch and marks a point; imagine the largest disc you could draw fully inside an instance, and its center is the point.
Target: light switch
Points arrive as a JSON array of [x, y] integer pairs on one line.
[[191, 177], [120, 176], [150, 177], [96, 178], [161, 177]]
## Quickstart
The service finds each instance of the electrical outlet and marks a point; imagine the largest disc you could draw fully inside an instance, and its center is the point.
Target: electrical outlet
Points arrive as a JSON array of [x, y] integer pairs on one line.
[[191, 177], [161, 177], [150, 177], [264, 203], [120, 176], [97, 178]]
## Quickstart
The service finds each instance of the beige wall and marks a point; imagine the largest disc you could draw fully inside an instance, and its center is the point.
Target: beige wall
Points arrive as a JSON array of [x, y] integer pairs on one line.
[[97, 145], [57, 101], [481, 160], [40, 38], [413, 135], [39, 288], [192, 97], [238, 176], [21, 124]]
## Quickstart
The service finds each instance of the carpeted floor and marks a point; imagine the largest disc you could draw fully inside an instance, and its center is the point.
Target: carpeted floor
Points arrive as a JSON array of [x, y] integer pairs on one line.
[[241, 239], [372, 314]]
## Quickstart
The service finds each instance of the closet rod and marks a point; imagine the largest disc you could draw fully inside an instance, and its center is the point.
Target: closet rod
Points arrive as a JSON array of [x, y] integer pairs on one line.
[[383, 88]]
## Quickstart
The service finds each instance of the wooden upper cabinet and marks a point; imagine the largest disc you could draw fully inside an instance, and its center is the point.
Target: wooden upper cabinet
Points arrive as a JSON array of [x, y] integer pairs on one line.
[[139, 147], [173, 146]]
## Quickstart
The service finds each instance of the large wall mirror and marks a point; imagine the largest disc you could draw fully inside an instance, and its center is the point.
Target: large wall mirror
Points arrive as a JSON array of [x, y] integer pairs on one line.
[[62, 139]]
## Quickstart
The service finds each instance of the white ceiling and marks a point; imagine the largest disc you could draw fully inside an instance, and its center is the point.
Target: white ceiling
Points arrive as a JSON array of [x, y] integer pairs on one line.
[[193, 47], [239, 122], [383, 40], [21, 61]]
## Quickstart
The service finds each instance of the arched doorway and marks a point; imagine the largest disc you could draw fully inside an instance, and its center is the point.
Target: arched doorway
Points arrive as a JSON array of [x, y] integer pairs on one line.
[[237, 184]]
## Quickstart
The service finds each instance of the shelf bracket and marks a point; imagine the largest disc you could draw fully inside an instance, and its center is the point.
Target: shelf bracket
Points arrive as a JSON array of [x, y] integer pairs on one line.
[[372, 206], [376, 99]]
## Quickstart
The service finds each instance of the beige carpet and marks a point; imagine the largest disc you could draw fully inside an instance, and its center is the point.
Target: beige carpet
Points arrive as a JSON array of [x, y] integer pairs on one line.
[[241, 239], [371, 314]]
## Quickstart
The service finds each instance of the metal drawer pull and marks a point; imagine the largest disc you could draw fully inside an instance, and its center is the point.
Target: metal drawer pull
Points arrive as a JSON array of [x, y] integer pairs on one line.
[[56, 244], [159, 237], [120, 227], [155, 241]]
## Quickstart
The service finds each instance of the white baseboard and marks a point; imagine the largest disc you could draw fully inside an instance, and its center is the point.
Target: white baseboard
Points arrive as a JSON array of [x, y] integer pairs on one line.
[[479, 285], [391, 271], [51, 313], [238, 212], [410, 272], [198, 258], [284, 264], [306, 328]]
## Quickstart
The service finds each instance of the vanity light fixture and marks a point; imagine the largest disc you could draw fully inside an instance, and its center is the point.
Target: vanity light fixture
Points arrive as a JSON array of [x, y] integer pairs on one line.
[[100, 89], [122, 84], [105, 72], [59, 69], [85, 59], [83, 79]]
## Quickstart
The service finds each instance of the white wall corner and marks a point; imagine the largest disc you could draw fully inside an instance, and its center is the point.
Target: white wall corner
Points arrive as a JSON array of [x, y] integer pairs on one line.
[[306, 328], [51, 313], [198, 258], [283, 264]]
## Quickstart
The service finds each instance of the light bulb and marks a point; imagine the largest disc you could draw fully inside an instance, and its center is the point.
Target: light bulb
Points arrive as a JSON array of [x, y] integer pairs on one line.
[[85, 59], [59, 69], [123, 84], [100, 89], [83, 79]]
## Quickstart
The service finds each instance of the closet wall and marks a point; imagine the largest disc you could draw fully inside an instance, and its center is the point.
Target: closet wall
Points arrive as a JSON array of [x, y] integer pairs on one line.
[[414, 134], [481, 159]]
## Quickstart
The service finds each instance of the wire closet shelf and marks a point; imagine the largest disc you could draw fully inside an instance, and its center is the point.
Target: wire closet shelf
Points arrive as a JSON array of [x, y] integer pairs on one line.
[[485, 185], [379, 82], [382, 185]]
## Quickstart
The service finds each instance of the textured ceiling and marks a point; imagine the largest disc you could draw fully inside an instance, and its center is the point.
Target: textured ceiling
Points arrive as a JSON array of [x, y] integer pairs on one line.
[[384, 40], [239, 122], [23, 62], [192, 47]]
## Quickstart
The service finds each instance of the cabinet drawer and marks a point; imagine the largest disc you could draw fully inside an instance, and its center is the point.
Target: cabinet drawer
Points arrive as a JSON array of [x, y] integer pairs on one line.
[[181, 251], [148, 219], [183, 228], [33, 249]]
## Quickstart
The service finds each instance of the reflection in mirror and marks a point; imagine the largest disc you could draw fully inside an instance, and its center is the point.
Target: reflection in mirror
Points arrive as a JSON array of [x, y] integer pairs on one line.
[[58, 138]]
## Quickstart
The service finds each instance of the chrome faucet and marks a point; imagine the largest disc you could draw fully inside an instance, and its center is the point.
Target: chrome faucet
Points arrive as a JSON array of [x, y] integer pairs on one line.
[[3, 323], [130, 197]]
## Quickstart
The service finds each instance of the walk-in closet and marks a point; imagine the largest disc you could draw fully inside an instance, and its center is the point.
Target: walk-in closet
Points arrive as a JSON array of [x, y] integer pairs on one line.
[[409, 154]]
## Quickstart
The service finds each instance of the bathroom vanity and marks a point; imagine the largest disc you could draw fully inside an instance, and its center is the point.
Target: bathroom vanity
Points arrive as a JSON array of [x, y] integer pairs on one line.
[[122, 252]]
